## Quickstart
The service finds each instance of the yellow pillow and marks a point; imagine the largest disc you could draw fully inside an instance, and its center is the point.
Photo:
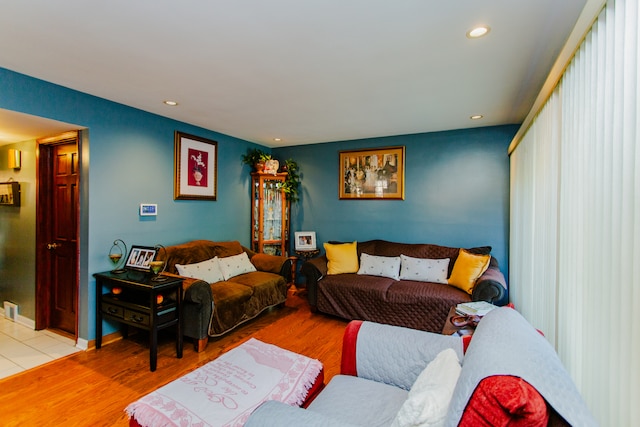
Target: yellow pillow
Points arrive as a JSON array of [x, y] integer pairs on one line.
[[467, 269], [342, 258]]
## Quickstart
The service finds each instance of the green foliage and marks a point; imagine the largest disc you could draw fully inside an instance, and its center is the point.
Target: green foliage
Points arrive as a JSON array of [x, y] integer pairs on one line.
[[292, 183], [255, 155]]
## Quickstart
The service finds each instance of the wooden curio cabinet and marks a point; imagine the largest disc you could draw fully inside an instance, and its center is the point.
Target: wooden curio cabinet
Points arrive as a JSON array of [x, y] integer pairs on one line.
[[270, 214]]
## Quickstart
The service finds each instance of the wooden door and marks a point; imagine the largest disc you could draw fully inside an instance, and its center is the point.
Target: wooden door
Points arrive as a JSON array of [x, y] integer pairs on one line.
[[57, 236]]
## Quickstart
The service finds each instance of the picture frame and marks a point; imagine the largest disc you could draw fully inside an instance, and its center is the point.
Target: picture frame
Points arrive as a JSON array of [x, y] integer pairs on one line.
[[10, 193], [195, 168], [305, 240], [139, 257], [372, 173]]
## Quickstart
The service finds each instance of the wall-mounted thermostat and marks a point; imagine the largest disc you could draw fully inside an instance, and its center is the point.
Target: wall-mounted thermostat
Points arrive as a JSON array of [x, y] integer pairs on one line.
[[148, 209]]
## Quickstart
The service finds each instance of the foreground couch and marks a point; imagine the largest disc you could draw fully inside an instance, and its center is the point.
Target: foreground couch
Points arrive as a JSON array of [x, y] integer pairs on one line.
[[392, 376], [225, 285], [419, 301]]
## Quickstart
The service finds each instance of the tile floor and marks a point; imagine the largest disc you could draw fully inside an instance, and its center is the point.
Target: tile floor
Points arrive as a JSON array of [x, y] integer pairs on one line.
[[22, 348]]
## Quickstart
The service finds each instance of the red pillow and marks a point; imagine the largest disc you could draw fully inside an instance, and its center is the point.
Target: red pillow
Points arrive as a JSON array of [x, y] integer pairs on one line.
[[505, 400]]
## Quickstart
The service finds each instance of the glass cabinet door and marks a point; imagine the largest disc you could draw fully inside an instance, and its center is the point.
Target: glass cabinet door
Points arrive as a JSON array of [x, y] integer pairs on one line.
[[270, 214]]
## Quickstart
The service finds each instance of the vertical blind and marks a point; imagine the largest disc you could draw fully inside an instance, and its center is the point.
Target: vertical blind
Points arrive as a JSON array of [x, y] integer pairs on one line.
[[575, 217]]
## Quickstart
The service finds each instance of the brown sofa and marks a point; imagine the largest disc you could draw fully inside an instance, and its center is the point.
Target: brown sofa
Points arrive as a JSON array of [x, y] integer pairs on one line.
[[213, 309], [417, 305]]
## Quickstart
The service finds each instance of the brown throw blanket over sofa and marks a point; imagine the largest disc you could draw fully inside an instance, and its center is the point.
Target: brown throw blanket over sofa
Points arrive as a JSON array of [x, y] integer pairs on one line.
[[414, 304], [213, 309]]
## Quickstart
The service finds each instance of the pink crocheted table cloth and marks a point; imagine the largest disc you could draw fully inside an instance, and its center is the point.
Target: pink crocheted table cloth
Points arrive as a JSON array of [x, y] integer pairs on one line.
[[226, 390]]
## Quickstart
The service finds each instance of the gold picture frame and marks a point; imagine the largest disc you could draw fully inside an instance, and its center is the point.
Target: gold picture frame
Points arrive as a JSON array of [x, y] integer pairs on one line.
[[195, 168], [373, 173]]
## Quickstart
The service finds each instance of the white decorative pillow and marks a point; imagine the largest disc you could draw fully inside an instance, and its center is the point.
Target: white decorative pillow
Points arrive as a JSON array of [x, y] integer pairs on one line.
[[428, 400], [424, 269], [208, 270], [384, 266], [235, 265]]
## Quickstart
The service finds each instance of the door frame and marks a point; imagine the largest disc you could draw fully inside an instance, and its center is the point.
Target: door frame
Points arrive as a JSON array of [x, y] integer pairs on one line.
[[44, 191]]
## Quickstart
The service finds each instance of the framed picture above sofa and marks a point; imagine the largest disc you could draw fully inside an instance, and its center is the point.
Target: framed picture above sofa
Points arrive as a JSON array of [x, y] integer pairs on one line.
[[195, 168], [376, 173]]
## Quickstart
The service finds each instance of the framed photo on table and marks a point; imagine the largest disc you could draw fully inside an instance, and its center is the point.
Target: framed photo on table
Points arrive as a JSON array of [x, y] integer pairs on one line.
[[140, 257], [375, 173], [305, 240], [195, 168]]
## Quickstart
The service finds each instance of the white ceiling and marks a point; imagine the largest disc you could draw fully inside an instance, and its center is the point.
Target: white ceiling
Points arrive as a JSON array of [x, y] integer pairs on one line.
[[306, 71]]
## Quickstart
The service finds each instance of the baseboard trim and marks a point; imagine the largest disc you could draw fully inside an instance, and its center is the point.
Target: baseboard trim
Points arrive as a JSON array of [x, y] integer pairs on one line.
[[106, 339], [24, 321], [82, 344]]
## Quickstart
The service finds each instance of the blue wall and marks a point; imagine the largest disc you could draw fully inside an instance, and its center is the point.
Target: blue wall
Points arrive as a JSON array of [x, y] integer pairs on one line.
[[457, 184], [456, 191], [130, 161]]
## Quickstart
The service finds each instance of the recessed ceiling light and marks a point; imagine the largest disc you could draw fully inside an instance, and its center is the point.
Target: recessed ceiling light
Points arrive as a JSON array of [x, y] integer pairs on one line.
[[476, 117], [277, 139], [171, 103], [478, 32]]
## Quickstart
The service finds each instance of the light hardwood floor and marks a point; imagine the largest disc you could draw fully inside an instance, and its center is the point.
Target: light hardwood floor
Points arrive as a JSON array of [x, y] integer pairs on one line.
[[92, 388]]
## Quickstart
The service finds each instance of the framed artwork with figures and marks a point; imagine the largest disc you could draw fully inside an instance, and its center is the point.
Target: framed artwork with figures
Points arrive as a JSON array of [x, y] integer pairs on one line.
[[375, 174], [195, 168]]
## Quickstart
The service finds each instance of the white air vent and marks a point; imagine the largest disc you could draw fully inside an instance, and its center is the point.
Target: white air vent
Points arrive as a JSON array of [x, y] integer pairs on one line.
[[11, 310]]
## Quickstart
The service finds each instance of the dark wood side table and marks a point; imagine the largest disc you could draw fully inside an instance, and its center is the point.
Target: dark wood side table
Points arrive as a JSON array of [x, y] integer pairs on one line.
[[307, 254], [135, 303], [303, 255], [294, 261]]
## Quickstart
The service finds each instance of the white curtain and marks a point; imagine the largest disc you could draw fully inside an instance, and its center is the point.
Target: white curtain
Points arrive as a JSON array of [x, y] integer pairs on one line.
[[575, 217], [534, 207]]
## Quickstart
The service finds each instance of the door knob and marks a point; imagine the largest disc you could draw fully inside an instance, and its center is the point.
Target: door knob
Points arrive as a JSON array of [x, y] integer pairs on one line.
[[51, 246]]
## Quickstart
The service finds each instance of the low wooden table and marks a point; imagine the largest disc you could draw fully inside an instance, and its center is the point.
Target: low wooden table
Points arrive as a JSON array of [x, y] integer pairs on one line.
[[450, 329]]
